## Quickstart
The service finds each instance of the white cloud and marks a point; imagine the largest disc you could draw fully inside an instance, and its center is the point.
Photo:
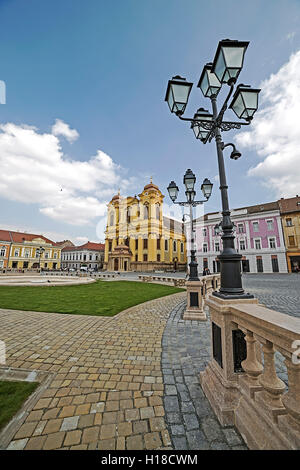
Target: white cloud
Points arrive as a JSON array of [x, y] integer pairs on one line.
[[63, 129], [275, 133], [35, 170]]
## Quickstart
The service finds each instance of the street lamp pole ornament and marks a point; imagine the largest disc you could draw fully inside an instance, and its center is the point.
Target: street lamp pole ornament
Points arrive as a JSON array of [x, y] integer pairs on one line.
[[225, 68], [189, 180]]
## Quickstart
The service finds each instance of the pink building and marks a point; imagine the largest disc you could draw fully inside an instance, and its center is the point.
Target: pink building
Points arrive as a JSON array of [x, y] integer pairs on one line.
[[259, 239]]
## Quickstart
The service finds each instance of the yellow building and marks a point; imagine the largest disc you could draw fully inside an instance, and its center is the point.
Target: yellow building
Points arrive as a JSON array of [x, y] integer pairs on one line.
[[29, 251], [139, 238], [290, 218]]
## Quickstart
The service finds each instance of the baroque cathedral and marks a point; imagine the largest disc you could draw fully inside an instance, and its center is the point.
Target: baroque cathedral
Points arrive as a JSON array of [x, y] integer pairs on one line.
[[139, 238]]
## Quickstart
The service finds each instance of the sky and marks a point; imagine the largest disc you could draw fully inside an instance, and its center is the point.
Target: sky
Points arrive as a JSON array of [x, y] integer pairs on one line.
[[84, 112]]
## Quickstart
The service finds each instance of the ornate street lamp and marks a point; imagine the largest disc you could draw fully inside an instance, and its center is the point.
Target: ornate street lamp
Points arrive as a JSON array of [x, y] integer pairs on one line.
[[39, 251], [178, 94], [189, 180], [225, 68], [229, 59]]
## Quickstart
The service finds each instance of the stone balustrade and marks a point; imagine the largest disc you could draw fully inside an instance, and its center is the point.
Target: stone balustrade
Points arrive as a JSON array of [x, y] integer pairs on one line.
[[241, 380]]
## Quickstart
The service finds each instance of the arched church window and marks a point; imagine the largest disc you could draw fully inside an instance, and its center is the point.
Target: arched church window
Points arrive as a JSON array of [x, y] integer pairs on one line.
[[157, 211], [146, 211]]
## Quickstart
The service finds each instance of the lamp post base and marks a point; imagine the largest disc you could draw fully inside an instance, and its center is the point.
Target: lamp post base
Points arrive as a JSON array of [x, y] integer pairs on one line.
[[227, 296]]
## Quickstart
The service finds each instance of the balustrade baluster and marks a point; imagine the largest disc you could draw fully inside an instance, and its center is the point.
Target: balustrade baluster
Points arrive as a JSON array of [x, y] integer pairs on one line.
[[273, 386], [251, 365]]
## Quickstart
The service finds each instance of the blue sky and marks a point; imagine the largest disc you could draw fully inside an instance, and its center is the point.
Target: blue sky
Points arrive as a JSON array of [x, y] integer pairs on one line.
[[101, 69]]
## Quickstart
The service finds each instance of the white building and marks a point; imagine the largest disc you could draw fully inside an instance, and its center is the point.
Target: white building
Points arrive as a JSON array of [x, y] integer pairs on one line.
[[90, 255]]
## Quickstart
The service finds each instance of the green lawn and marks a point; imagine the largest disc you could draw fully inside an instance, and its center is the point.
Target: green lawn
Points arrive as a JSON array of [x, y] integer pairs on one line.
[[98, 298], [12, 396]]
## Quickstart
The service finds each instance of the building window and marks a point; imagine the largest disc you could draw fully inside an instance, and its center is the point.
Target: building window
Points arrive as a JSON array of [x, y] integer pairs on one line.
[[166, 245], [157, 211], [27, 253], [204, 247], [2, 251], [257, 244], [145, 244], [181, 247], [270, 225], [136, 257], [128, 215], [275, 266], [109, 246], [145, 257], [204, 232], [127, 241], [255, 227], [17, 252], [289, 223], [272, 242], [136, 243], [241, 228], [292, 240], [111, 220], [174, 246], [158, 243], [146, 212], [242, 245], [259, 264], [217, 246], [158, 257], [216, 231]]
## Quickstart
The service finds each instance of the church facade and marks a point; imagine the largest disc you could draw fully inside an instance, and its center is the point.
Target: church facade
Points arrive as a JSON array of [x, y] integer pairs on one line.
[[139, 238]]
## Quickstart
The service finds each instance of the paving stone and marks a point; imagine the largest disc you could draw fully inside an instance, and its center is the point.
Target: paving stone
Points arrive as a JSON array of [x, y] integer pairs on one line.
[[54, 441], [170, 390], [232, 437], [107, 431], [69, 424], [86, 420], [35, 443], [171, 403], [152, 440], [140, 427], [147, 412], [187, 407], [107, 444], [180, 443], [26, 430], [124, 429], [90, 435], [190, 421], [134, 443], [177, 430], [212, 429], [174, 418], [219, 446], [18, 444], [73, 438], [197, 440]]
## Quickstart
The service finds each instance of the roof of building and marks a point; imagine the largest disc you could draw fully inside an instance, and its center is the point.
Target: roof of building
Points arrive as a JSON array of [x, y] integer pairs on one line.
[[86, 246], [20, 237], [64, 243], [264, 207], [289, 205]]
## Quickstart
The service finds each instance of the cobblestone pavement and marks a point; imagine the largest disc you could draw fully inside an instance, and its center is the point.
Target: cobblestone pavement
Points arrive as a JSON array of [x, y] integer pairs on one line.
[[279, 292], [108, 388], [191, 422]]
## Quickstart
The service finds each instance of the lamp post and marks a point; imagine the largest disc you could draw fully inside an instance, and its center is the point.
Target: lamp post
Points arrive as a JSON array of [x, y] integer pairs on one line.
[[225, 68], [189, 181], [40, 250]]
